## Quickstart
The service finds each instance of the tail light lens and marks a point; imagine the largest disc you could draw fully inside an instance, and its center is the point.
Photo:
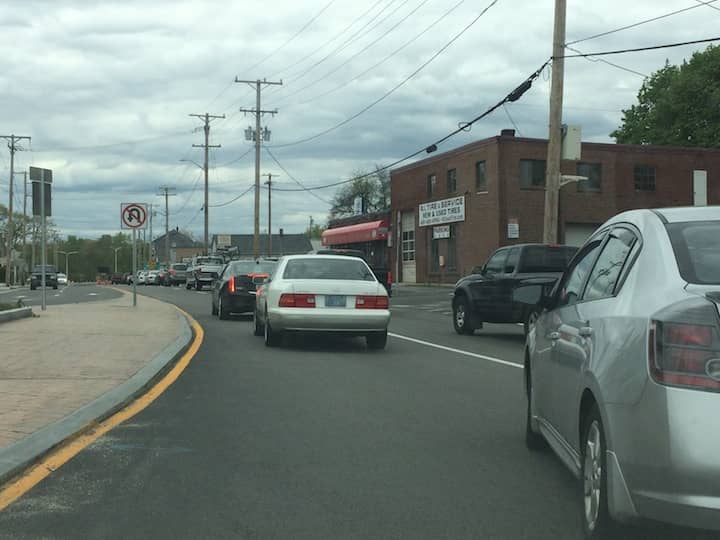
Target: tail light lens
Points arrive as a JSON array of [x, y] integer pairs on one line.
[[231, 284], [297, 300], [684, 346], [371, 302]]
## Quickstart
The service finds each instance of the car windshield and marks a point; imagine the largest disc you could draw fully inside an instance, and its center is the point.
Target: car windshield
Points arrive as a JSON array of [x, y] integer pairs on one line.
[[321, 268], [697, 250], [209, 260], [536, 259], [251, 267], [48, 268]]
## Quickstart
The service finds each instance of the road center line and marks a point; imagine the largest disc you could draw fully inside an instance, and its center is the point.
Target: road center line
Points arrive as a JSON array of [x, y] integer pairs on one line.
[[458, 351]]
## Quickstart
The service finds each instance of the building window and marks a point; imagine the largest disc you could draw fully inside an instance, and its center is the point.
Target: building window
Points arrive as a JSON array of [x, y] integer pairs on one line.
[[431, 185], [644, 178], [452, 181], [532, 173], [451, 261], [593, 172], [408, 245], [480, 179]]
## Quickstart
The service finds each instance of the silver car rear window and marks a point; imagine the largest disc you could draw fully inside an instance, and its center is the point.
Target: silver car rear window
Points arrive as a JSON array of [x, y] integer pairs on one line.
[[326, 268], [697, 250]]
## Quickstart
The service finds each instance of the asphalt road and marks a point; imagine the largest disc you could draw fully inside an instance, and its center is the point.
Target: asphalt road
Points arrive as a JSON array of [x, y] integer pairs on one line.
[[64, 294], [321, 439]]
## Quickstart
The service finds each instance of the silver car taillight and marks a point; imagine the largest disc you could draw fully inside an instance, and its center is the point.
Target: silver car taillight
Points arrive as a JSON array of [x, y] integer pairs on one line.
[[684, 346]]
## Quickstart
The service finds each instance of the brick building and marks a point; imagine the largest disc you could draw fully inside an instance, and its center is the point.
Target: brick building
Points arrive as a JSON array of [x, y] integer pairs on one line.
[[455, 208]]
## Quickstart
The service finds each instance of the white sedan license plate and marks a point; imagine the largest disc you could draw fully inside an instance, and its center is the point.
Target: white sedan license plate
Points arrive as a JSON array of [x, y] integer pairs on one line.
[[335, 300]]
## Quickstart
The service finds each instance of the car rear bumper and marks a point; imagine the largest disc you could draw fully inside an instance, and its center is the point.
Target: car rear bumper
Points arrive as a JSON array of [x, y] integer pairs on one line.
[[240, 303], [667, 448], [329, 320]]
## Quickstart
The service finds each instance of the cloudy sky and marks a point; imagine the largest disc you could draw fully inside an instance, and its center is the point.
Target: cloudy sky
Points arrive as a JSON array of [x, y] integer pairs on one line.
[[105, 90]]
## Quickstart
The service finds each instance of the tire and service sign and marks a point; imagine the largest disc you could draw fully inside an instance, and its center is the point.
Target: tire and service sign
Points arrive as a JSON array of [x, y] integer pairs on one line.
[[444, 211], [133, 215]]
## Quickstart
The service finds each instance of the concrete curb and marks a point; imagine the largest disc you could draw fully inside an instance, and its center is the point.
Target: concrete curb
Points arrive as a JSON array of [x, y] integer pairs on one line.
[[14, 314], [18, 456]]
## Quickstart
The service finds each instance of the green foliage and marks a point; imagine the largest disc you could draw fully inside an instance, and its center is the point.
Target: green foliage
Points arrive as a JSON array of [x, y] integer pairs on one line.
[[315, 232], [374, 188], [677, 105]]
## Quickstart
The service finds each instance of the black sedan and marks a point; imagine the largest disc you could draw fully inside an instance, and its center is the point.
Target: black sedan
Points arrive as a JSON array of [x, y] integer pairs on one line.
[[234, 290]]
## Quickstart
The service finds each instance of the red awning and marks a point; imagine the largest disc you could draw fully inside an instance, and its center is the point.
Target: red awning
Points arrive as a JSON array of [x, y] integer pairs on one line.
[[354, 234]]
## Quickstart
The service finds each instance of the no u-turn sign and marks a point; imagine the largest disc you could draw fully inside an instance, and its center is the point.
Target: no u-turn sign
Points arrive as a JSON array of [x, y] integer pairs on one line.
[[133, 215]]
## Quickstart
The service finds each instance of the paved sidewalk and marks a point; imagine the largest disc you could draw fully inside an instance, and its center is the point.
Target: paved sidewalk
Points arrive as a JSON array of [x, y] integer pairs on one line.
[[72, 356]]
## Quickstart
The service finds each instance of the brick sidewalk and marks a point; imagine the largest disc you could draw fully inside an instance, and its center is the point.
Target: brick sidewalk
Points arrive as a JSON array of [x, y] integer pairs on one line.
[[55, 363]]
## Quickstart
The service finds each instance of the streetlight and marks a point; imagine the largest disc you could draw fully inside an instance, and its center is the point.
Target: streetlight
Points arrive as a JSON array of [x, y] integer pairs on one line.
[[67, 256], [116, 250]]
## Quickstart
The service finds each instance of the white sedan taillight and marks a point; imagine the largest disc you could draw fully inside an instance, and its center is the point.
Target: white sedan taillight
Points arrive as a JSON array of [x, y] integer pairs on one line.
[[684, 346]]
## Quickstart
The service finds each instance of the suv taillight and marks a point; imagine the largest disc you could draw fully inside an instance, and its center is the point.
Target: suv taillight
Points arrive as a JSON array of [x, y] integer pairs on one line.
[[684, 346]]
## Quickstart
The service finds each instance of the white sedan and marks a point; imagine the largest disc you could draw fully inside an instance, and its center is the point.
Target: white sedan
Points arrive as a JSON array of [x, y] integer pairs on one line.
[[62, 279], [322, 293]]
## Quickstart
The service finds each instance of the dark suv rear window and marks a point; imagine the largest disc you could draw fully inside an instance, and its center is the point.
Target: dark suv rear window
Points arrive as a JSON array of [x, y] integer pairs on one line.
[[697, 250], [538, 259]]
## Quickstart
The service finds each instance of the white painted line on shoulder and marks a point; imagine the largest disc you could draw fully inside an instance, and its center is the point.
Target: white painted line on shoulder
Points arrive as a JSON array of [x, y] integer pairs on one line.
[[458, 351]]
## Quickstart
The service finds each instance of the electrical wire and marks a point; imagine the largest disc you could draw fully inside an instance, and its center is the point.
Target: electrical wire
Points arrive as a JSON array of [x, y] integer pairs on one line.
[[238, 158], [640, 49], [512, 121], [298, 182], [511, 97], [708, 4], [618, 66], [396, 87], [361, 51], [639, 23], [388, 57], [248, 190], [111, 145]]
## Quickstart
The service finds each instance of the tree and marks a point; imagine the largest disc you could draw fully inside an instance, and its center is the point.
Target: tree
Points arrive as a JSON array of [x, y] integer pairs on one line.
[[373, 187], [677, 105]]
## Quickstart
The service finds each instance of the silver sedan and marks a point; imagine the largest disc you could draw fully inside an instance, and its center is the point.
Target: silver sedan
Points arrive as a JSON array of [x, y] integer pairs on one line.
[[623, 371], [322, 293]]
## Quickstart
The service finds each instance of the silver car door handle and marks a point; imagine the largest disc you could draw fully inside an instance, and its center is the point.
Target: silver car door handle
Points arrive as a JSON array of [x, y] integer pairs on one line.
[[585, 331], [554, 335]]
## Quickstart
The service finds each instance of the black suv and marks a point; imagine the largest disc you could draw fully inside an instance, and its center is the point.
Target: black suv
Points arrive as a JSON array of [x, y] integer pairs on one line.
[[499, 292], [51, 279]]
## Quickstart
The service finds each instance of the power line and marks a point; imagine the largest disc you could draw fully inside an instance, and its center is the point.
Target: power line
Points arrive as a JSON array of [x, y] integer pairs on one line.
[[248, 190], [368, 46], [110, 145], [639, 49], [388, 57], [250, 149], [618, 66], [639, 23], [397, 86], [708, 4], [298, 182], [507, 113]]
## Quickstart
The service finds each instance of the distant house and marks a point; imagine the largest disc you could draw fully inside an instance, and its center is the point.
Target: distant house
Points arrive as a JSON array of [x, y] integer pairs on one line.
[[282, 244], [181, 246]]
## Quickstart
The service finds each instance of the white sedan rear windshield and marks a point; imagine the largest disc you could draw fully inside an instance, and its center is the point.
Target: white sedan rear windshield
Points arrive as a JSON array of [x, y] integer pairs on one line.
[[697, 250], [326, 268]]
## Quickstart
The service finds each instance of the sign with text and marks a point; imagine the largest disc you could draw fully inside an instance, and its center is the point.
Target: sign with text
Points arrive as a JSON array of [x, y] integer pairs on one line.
[[513, 228], [443, 231], [444, 211], [224, 241]]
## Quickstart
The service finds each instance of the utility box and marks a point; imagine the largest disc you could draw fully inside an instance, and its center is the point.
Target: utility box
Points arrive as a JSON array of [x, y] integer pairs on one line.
[[571, 142]]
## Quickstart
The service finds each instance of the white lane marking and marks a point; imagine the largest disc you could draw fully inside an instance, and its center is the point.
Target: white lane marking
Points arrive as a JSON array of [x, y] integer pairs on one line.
[[458, 351], [400, 305], [92, 294]]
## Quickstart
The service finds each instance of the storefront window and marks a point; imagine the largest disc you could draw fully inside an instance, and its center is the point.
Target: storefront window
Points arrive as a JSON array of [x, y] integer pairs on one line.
[[408, 245]]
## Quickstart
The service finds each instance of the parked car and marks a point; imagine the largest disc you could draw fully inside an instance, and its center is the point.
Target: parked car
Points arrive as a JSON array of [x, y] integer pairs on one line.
[[116, 278], [203, 271], [141, 276], [51, 279], [176, 274], [153, 277], [323, 293], [488, 294], [128, 277], [622, 370], [382, 273], [62, 279], [234, 290]]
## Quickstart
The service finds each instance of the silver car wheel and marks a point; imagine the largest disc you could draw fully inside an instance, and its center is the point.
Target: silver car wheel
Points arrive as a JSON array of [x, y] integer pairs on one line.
[[592, 475], [460, 315]]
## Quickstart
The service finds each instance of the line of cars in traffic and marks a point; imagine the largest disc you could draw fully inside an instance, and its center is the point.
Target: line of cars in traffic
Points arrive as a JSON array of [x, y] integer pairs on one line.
[[621, 361]]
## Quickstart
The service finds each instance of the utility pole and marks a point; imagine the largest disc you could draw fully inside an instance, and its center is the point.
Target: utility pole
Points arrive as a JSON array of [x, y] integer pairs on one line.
[[206, 127], [166, 191], [258, 112], [9, 240], [552, 173], [269, 185], [150, 255]]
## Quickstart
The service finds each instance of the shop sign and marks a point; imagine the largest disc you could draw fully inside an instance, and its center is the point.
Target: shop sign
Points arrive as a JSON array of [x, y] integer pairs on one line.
[[513, 228], [443, 231], [444, 211]]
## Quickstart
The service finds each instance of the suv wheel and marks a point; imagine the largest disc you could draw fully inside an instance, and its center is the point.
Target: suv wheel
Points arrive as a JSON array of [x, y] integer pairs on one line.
[[222, 310], [597, 524], [462, 316]]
